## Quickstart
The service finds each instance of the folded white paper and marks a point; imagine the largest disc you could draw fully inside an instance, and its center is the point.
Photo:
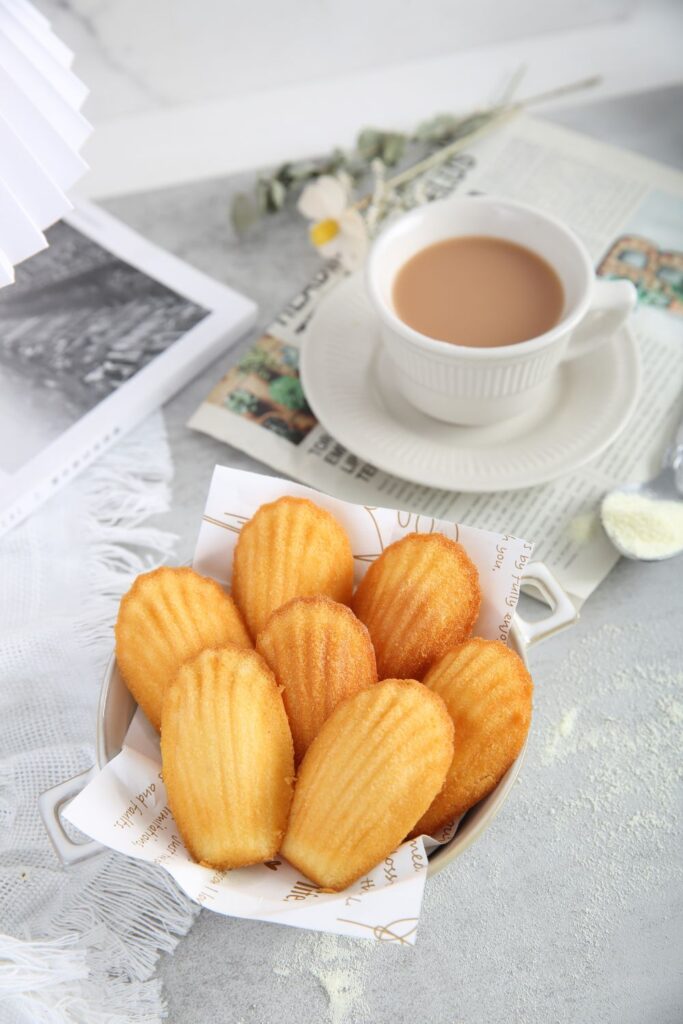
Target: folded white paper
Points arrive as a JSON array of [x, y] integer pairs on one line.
[[20, 236], [60, 160], [125, 806], [67, 119], [25, 176], [29, 15], [6, 270], [34, 22], [38, 53], [41, 131]]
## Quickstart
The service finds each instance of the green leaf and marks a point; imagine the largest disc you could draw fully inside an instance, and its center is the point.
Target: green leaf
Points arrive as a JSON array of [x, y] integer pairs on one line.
[[356, 167], [277, 193], [262, 189], [369, 143], [437, 129], [284, 174], [303, 171], [393, 148], [244, 213], [338, 158]]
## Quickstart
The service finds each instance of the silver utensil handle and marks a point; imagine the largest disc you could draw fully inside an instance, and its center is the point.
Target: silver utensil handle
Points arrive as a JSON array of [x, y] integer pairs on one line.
[[674, 456], [50, 804], [562, 610]]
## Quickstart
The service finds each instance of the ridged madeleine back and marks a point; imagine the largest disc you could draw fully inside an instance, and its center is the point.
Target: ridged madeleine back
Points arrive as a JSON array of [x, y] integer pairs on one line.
[[289, 548], [374, 768], [320, 654], [488, 692], [418, 599], [227, 758], [168, 616]]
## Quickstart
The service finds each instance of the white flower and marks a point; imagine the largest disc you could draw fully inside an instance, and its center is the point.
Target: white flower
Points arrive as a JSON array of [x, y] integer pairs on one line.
[[338, 230]]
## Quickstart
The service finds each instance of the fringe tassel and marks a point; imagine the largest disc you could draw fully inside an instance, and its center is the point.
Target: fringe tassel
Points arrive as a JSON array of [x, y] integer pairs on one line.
[[143, 911], [51, 983], [122, 491], [97, 969]]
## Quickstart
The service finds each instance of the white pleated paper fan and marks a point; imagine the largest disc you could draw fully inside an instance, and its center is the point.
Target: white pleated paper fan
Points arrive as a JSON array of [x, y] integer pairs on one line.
[[41, 132]]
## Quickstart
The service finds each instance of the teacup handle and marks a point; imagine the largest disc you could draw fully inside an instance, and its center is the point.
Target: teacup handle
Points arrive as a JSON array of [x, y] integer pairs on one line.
[[611, 304]]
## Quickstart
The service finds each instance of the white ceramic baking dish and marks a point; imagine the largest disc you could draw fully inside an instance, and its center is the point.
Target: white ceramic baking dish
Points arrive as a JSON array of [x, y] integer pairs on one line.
[[117, 707]]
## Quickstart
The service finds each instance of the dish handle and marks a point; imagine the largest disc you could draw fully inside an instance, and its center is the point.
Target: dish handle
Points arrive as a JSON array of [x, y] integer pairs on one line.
[[50, 804], [562, 610]]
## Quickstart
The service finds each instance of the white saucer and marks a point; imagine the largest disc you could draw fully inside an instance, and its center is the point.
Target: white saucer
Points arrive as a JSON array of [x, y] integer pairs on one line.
[[349, 384]]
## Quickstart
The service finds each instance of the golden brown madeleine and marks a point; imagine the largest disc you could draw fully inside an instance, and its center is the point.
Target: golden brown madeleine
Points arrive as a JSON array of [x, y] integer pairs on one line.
[[488, 692], [289, 548], [227, 758], [167, 617], [373, 769], [418, 599], [320, 654]]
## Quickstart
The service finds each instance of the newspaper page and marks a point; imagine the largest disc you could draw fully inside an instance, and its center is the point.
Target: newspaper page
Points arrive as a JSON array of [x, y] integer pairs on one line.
[[629, 213]]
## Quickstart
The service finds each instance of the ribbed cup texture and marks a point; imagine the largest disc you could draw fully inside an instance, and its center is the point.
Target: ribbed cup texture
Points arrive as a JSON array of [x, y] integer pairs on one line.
[[453, 375]]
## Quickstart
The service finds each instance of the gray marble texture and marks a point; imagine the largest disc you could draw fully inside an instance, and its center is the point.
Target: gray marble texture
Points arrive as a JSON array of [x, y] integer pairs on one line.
[[569, 908], [140, 57]]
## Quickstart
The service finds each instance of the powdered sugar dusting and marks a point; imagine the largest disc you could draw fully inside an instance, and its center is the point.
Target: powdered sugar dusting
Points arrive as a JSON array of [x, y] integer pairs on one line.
[[557, 744], [592, 826], [588, 841], [643, 526], [339, 965]]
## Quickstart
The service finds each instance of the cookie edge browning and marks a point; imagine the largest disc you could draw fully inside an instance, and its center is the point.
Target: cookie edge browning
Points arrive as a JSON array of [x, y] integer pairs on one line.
[[439, 705], [320, 513], [445, 819], [136, 585], [469, 569], [360, 627], [274, 691]]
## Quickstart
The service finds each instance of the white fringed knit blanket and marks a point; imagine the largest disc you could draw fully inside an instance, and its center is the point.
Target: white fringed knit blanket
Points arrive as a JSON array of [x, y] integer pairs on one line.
[[79, 944]]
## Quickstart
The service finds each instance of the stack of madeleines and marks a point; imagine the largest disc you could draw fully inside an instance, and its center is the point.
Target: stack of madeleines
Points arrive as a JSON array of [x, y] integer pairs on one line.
[[299, 717]]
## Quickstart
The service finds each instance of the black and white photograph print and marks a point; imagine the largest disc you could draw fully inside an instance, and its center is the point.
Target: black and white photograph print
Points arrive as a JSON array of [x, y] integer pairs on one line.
[[77, 324]]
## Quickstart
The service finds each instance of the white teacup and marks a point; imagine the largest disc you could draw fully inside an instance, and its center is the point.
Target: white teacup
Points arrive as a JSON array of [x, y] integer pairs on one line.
[[475, 386]]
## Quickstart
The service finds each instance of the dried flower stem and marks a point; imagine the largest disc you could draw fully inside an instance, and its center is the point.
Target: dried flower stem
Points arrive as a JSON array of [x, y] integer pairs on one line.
[[453, 134], [441, 155], [495, 118]]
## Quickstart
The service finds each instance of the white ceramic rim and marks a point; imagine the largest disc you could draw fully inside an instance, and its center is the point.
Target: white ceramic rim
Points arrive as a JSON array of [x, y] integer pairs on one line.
[[335, 417], [517, 351]]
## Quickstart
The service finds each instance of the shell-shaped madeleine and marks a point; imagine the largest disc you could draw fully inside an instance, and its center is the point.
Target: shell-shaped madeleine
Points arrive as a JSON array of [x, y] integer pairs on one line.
[[373, 769], [320, 654], [289, 548], [418, 599], [167, 617], [227, 758], [487, 691]]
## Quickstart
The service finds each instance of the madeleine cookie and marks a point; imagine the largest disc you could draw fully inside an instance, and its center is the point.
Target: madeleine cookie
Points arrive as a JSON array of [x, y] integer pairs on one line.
[[167, 617], [289, 548], [373, 769], [227, 758], [487, 692], [418, 599], [320, 653]]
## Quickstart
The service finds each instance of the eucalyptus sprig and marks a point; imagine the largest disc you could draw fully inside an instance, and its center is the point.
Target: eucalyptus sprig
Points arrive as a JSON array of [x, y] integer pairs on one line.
[[435, 140]]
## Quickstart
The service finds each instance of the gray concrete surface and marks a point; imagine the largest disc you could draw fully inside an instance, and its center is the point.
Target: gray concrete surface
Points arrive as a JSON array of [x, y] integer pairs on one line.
[[569, 908]]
